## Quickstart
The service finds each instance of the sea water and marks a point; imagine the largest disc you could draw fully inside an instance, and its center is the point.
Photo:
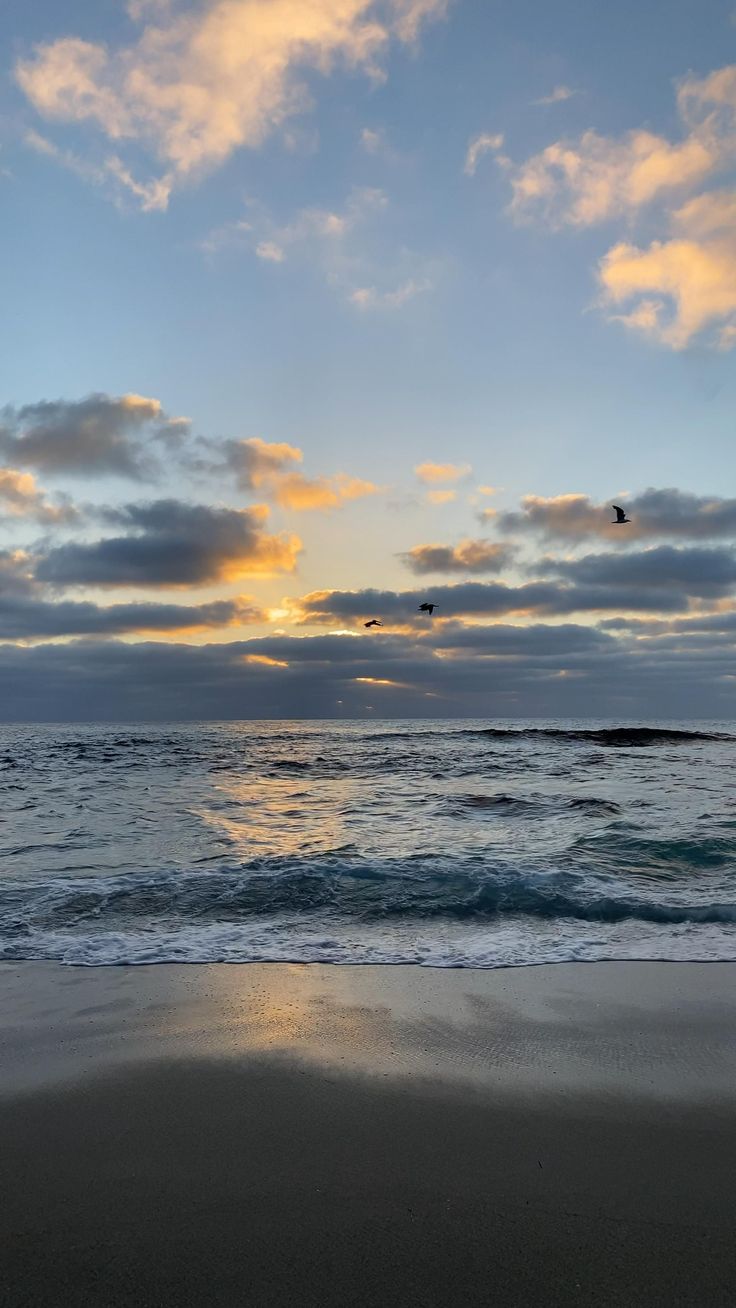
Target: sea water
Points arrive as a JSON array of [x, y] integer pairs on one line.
[[450, 844]]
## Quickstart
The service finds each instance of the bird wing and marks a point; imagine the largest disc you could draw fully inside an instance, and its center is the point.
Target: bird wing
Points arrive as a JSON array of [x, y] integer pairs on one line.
[[618, 511]]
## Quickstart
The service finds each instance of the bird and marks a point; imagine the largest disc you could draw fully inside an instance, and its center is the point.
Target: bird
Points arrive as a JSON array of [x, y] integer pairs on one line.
[[427, 608], [620, 516], [373, 623]]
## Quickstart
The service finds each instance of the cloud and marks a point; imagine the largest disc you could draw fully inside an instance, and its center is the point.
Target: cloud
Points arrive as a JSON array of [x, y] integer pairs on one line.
[[432, 473], [477, 599], [672, 290], [16, 572], [152, 196], [295, 491], [540, 640], [595, 178], [441, 496], [270, 251], [254, 462], [369, 297], [722, 624], [702, 573], [332, 242], [196, 85], [36, 619], [410, 14], [557, 96], [267, 467], [500, 671], [695, 272], [483, 144], [169, 543], [149, 195], [372, 140], [97, 435], [655, 514], [470, 556], [20, 497], [330, 225]]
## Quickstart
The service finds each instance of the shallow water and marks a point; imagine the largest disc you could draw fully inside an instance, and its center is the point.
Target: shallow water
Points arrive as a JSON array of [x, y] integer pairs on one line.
[[445, 843]]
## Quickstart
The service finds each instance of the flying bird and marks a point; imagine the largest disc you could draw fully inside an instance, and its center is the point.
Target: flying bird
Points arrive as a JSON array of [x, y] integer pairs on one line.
[[620, 515], [373, 623], [427, 608]]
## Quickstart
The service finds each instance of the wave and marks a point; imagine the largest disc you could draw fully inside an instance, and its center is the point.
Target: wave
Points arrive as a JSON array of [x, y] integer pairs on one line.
[[596, 735], [337, 888], [537, 805], [621, 736]]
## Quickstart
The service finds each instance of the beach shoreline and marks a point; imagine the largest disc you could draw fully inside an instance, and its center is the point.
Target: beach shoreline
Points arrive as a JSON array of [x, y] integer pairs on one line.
[[335, 1135]]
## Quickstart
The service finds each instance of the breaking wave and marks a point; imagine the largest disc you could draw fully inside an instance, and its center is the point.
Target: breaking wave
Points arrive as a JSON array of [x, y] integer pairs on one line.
[[295, 897]]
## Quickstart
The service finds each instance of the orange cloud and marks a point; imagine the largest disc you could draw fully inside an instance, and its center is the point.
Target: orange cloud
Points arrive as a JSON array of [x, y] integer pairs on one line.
[[439, 472], [20, 497], [684, 285], [675, 289], [256, 462], [261, 465], [267, 557], [597, 177], [381, 681], [265, 661], [295, 491], [441, 496], [469, 557], [200, 84]]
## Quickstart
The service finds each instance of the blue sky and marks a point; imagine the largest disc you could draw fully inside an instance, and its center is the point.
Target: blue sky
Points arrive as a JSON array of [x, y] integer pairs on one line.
[[314, 259]]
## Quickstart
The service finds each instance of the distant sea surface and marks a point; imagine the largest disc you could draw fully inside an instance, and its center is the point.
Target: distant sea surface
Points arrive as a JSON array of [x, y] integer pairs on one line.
[[451, 844]]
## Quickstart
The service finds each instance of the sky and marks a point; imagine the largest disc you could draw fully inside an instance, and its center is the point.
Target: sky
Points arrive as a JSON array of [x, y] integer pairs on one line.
[[315, 310]]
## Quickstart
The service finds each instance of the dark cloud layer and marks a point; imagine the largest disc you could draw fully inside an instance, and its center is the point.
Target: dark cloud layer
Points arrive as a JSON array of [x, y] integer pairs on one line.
[[542, 640], [334, 676], [169, 543], [35, 619], [486, 599], [696, 572], [91, 437], [655, 514]]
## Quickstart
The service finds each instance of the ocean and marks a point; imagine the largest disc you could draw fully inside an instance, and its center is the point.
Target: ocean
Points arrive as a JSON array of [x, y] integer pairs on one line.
[[448, 844]]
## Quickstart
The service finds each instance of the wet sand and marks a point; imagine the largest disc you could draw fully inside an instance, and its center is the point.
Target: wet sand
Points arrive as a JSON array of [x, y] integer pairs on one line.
[[323, 1136]]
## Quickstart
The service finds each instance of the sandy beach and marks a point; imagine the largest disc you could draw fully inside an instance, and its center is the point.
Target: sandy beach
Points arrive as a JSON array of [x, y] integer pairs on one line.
[[313, 1135]]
